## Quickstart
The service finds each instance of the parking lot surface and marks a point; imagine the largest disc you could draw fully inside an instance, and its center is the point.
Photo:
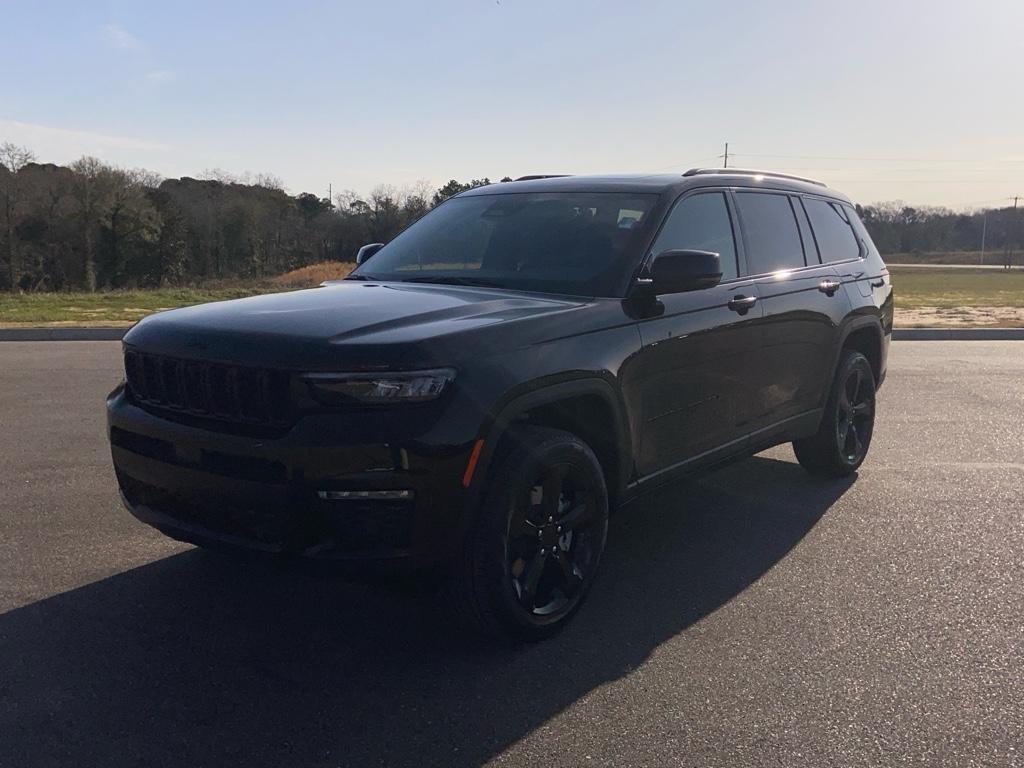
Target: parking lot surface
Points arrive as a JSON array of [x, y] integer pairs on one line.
[[755, 616]]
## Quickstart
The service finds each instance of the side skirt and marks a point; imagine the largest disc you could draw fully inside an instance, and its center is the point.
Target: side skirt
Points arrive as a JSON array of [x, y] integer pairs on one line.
[[793, 428]]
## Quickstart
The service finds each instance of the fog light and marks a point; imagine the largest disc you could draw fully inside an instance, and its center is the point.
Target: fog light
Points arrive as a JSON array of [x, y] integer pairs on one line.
[[364, 495]]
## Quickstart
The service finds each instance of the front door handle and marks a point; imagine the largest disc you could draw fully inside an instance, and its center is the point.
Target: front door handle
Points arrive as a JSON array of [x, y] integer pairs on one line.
[[829, 287], [742, 304]]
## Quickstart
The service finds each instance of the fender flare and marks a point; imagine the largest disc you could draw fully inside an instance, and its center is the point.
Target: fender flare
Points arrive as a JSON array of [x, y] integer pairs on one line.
[[514, 405], [851, 324]]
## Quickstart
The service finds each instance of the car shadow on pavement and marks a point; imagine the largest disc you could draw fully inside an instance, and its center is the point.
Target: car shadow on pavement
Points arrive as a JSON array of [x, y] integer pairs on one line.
[[199, 660]]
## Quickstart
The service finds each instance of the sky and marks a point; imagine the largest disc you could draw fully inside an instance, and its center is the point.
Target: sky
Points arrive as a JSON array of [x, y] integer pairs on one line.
[[915, 101]]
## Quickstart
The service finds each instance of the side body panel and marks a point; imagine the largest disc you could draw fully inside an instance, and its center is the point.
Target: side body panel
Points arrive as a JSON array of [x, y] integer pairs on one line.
[[801, 331], [691, 380]]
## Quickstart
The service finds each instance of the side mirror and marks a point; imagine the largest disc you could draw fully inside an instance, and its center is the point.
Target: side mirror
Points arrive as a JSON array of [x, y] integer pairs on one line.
[[367, 251], [681, 271]]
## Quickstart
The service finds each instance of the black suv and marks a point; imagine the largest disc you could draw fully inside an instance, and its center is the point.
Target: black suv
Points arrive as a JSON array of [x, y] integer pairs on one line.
[[473, 399]]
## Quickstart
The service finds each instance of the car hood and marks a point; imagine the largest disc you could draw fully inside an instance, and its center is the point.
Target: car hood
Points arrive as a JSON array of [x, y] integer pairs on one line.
[[367, 324]]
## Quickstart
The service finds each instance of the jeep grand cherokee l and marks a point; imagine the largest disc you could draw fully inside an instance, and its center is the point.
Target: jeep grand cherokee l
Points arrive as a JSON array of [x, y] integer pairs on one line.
[[473, 399]]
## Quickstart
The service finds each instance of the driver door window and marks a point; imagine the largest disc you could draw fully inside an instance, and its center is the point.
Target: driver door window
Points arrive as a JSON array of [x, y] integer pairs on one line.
[[701, 223]]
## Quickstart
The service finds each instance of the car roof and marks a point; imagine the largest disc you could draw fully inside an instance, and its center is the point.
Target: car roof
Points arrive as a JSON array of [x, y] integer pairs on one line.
[[659, 183]]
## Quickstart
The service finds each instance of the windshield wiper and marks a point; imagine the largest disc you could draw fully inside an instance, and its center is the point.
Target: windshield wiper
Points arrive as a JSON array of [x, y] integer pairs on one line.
[[454, 280], [360, 277]]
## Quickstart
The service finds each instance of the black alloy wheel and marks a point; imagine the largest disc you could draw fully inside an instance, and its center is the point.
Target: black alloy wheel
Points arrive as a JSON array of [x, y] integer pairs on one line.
[[553, 541], [533, 553], [841, 443], [856, 415]]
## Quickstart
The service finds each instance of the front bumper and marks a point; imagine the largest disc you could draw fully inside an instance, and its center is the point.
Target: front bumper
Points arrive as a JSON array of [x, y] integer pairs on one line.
[[267, 494]]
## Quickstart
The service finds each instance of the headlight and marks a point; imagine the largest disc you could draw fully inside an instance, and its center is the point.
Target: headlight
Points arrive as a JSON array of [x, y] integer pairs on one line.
[[376, 388]]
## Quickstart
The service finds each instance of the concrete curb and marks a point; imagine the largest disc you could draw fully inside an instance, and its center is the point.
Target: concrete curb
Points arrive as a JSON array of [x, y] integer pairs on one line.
[[958, 334], [899, 334], [62, 334]]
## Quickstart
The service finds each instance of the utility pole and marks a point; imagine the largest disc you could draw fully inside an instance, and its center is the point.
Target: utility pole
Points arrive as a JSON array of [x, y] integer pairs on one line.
[[726, 155], [984, 228], [1015, 227]]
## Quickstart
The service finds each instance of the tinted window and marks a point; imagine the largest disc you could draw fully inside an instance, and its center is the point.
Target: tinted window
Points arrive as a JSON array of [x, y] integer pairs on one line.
[[836, 239], [582, 243], [701, 223], [772, 237], [867, 246], [810, 246]]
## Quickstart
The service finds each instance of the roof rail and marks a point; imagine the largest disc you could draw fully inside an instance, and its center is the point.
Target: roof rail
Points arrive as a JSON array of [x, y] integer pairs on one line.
[[543, 176], [749, 172]]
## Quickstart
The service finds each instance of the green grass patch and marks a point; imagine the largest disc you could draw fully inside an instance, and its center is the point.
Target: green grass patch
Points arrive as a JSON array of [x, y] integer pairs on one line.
[[108, 307], [947, 257], [915, 288], [952, 288]]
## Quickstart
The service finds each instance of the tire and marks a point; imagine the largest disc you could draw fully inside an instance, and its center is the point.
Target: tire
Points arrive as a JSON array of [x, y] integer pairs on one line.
[[532, 554], [841, 443]]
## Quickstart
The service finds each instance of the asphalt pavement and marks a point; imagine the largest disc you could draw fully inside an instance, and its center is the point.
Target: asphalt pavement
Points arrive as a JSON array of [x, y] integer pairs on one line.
[[753, 617]]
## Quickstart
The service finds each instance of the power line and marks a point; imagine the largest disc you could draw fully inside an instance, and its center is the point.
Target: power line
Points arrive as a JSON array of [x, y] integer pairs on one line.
[[921, 181], [915, 169], [990, 200], [683, 165], [879, 159]]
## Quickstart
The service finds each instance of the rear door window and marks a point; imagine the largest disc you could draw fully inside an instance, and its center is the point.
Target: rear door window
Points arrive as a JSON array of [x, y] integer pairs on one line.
[[811, 254], [701, 223], [770, 228], [836, 239], [866, 245]]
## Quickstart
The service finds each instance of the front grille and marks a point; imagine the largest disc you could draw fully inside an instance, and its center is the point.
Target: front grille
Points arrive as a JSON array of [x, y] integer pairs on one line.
[[227, 393]]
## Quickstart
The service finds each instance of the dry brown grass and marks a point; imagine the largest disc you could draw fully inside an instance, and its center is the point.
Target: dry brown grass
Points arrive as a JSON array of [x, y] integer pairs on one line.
[[313, 275]]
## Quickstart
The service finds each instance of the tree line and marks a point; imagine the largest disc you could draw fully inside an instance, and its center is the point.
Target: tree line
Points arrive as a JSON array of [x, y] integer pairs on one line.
[[91, 225], [898, 228]]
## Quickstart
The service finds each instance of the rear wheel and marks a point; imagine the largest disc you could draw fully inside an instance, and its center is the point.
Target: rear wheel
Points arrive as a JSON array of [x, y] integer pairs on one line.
[[539, 535], [841, 443]]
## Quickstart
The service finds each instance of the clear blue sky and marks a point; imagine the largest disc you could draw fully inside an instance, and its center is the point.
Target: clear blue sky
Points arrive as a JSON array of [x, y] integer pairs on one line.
[[920, 101]]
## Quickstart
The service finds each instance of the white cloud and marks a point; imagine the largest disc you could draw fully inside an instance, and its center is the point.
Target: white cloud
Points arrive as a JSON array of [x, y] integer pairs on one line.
[[117, 36], [62, 145], [160, 76]]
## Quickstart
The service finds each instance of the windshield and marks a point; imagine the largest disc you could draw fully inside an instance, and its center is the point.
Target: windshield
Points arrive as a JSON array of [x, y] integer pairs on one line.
[[578, 243]]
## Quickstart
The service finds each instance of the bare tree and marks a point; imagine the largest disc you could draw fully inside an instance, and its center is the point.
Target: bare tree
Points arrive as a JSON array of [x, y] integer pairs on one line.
[[267, 181], [127, 212], [145, 177], [219, 174], [12, 159], [246, 178], [88, 192], [416, 200]]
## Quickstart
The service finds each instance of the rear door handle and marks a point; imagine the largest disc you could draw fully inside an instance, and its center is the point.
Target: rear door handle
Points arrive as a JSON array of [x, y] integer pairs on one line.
[[742, 304], [829, 287]]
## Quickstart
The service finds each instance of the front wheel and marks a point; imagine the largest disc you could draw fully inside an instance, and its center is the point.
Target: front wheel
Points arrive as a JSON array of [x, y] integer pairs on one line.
[[538, 539], [841, 443]]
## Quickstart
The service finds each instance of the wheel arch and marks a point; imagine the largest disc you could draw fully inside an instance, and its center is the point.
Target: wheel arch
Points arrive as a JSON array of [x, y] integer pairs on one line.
[[865, 336], [587, 407]]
